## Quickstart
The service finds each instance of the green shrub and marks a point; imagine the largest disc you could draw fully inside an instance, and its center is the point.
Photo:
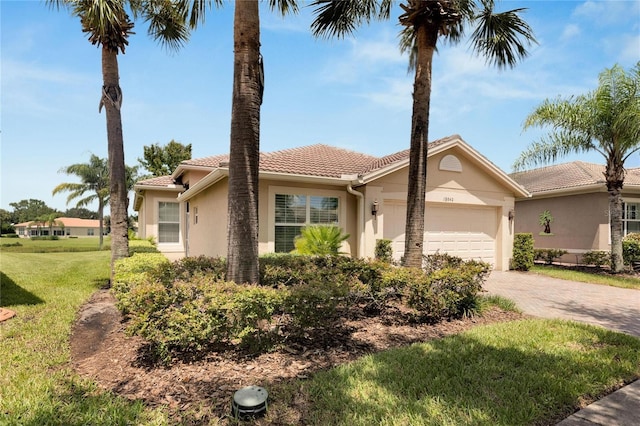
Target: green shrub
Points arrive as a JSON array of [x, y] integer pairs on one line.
[[436, 261], [597, 258], [631, 247], [523, 253], [131, 272], [186, 307], [384, 251], [449, 292], [549, 255], [321, 240]]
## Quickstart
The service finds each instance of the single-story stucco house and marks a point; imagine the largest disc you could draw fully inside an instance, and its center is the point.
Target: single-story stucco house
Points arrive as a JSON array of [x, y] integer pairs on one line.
[[62, 227], [576, 195], [470, 202]]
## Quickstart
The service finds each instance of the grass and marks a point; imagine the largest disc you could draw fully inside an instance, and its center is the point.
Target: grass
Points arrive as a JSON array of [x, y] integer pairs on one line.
[[524, 372], [27, 245], [622, 281], [37, 383]]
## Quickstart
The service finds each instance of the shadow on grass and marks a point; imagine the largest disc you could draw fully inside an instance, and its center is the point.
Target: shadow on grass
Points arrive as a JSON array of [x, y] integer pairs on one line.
[[11, 294], [467, 379], [81, 404]]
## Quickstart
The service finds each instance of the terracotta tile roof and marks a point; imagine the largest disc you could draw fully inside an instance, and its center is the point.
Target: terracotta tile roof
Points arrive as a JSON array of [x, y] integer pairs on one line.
[[157, 181], [69, 222], [568, 175], [213, 161], [316, 160]]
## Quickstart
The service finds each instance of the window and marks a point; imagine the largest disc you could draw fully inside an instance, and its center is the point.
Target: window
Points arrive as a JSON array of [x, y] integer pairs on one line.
[[631, 217], [58, 232], [90, 232], [168, 222], [292, 212]]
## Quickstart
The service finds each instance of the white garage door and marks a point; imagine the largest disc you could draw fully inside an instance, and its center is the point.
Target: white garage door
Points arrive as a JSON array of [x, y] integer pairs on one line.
[[468, 232]]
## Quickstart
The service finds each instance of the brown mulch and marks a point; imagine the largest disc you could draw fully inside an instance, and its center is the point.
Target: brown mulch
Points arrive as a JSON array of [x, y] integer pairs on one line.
[[199, 391]]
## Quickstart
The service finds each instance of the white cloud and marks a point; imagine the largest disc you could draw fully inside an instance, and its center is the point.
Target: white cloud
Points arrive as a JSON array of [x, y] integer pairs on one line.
[[609, 12], [571, 31], [394, 94]]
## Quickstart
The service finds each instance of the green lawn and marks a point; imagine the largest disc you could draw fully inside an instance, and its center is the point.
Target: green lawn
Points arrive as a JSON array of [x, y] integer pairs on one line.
[[525, 372], [64, 244], [623, 281], [519, 373], [37, 383]]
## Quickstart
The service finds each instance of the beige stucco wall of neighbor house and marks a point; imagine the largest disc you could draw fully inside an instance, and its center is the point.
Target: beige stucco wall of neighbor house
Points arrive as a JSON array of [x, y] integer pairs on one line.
[[148, 221], [580, 222], [472, 186], [207, 227]]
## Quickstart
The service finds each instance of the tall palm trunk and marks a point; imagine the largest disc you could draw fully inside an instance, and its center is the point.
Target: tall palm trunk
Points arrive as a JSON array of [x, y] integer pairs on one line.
[[426, 38], [112, 99], [614, 175], [244, 153]]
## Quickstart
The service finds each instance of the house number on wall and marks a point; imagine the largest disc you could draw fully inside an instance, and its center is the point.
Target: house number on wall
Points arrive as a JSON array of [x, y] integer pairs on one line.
[[447, 199]]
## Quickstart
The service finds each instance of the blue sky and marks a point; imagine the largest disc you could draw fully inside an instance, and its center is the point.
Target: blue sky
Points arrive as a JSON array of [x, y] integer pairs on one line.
[[353, 93]]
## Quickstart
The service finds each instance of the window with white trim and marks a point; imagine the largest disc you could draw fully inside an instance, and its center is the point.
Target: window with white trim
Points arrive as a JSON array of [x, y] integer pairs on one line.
[[168, 222], [631, 217], [293, 211]]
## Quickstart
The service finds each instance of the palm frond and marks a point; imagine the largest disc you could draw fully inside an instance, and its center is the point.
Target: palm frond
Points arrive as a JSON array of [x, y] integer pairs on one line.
[[338, 18], [548, 149], [285, 7], [502, 38]]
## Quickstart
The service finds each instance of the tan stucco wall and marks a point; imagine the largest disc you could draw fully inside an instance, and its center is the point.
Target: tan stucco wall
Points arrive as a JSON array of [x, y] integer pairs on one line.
[[190, 177], [580, 222], [209, 236]]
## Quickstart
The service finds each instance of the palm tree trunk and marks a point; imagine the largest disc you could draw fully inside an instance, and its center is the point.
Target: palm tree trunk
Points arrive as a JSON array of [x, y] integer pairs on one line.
[[112, 99], [244, 154], [426, 38], [615, 177]]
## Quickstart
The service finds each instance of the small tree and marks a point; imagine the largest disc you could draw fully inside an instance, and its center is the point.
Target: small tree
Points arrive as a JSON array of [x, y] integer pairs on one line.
[[545, 220], [163, 160]]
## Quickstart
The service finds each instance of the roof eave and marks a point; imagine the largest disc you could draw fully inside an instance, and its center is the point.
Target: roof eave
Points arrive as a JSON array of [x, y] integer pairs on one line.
[[215, 176]]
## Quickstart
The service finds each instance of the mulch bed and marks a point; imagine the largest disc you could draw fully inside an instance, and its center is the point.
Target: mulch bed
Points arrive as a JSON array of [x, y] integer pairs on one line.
[[199, 390]]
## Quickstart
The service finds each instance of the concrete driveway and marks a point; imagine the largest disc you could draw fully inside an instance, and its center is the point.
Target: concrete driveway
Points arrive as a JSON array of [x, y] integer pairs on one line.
[[610, 307]]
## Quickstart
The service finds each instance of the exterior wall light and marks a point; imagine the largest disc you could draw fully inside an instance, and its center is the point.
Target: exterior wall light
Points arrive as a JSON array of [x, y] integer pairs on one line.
[[374, 208]]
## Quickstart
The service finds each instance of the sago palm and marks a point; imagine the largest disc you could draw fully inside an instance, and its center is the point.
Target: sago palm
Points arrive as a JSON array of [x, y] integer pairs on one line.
[[606, 121], [500, 37], [322, 240]]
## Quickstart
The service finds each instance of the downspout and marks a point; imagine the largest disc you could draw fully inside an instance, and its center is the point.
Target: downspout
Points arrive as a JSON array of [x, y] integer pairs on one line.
[[360, 221]]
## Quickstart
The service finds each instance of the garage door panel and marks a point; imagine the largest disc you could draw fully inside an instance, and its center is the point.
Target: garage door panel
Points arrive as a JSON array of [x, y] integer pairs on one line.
[[468, 232]]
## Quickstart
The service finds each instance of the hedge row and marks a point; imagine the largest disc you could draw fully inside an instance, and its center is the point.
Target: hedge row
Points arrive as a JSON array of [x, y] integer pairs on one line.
[[186, 306]]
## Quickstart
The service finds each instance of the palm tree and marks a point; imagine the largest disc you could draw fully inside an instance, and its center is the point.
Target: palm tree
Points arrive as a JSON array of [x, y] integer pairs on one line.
[[50, 220], [244, 152], [607, 121], [500, 37], [108, 26], [94, 179]]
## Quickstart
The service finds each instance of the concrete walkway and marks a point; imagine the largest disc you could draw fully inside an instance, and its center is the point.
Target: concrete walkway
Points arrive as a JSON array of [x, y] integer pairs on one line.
[[610, 307]]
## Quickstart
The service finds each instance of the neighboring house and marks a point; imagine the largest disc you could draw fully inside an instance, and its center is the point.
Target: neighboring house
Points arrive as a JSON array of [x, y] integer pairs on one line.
[[62, 227], [576, 196], [469, 212]]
